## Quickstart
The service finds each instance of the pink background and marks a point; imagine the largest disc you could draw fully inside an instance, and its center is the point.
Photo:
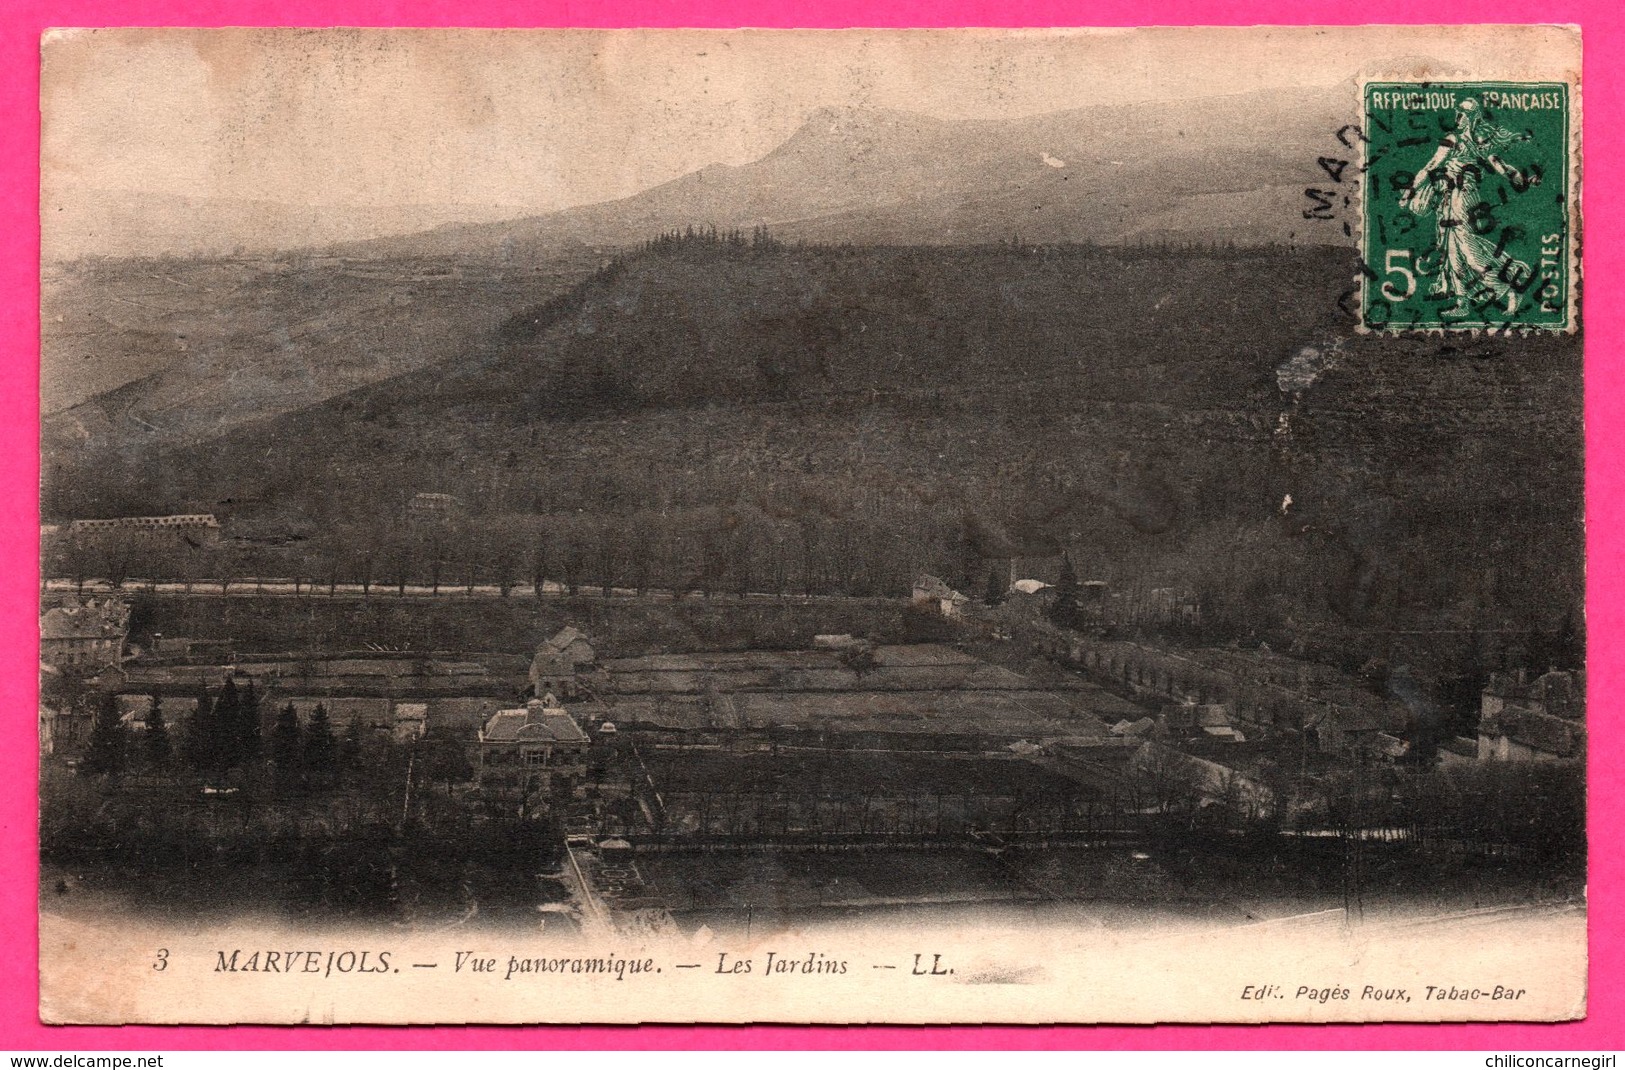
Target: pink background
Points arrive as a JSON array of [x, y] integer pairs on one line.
[[21, 22]]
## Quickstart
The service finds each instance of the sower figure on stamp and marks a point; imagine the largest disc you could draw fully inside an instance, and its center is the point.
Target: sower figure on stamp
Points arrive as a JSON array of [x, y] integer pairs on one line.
[[1470, 268]]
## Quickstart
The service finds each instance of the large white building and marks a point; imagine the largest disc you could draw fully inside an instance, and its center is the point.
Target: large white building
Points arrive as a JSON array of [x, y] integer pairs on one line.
[[535, 750]]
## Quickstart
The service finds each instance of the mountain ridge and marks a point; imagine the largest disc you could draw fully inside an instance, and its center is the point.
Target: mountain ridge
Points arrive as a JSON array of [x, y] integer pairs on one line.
[[862, 163], [1093, 175]]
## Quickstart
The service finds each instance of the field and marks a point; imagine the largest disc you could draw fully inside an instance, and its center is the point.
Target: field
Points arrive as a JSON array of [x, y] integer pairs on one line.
[[916, 689], [914, 667], [852, 774], [1001, 714], [821, 796]]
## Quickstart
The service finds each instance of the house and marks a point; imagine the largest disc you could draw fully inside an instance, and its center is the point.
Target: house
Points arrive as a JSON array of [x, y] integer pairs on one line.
[[1026, 603], [615, 849], [1541, 720], [1212, 779], [1140, 729], [552, 672], [1211, 720], [536, 749], [133, 711], [88, 635], [932, 593], [1349, 730], [557, 662]]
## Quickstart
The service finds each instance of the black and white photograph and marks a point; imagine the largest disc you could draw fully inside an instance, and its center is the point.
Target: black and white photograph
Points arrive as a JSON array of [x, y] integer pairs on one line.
[[942, 526]]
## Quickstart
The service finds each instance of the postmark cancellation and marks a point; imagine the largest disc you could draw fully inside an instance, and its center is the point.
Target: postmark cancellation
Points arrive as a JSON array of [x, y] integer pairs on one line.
[[1469, 207]]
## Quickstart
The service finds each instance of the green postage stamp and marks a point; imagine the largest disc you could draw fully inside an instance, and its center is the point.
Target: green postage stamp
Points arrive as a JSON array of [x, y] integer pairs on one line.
[[1468, 210]]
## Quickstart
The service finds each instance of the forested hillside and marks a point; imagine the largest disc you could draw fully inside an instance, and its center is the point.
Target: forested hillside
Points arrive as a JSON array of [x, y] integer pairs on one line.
[[731, 413]]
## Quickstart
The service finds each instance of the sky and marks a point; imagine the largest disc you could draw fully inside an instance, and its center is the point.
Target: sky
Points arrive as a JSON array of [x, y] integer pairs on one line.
[[542, 120]]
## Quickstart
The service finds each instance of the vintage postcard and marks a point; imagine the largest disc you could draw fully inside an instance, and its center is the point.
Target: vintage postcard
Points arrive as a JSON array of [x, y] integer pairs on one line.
[[812, 526]]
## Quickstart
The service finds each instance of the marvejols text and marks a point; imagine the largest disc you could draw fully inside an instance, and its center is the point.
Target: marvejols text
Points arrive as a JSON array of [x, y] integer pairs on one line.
[[325, 963]]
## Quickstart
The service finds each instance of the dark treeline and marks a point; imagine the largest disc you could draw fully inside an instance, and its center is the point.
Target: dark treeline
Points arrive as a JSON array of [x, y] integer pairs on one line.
[[221, 742], [230, 743], [706, 239], [699, 238], [338, 857], [833, 792], [289, 811]]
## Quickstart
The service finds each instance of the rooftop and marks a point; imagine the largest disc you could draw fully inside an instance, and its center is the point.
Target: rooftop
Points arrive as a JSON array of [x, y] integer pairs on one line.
[[93, 620], [1538, 730], [536, 722], [932, 587], [564, 637]]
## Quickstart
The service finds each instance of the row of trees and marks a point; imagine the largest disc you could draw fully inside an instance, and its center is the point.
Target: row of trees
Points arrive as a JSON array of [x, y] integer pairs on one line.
[[221, 737], [707, 238], [733, 240], [709, 551], [221, 743]]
